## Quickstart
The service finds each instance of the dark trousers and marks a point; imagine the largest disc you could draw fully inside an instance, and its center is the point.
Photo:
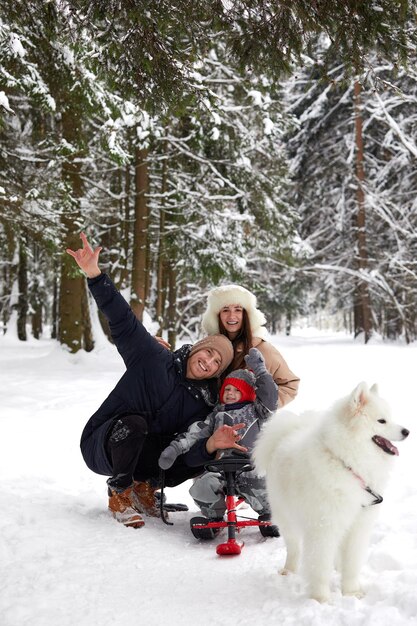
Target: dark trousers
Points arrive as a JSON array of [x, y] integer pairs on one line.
[[134, 454]]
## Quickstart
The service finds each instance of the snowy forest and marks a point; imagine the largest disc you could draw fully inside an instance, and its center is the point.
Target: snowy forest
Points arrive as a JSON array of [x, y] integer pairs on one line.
[[273, 144]]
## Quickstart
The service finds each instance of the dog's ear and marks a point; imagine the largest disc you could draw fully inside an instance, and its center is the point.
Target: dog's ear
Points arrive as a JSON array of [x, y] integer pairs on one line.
[[374, 389], [359, 396]]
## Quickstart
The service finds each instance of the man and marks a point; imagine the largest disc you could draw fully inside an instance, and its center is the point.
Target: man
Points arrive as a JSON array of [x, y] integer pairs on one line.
[[159, 395]]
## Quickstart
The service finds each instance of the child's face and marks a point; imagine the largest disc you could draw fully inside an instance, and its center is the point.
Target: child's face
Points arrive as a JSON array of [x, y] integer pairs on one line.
[[231, 394]]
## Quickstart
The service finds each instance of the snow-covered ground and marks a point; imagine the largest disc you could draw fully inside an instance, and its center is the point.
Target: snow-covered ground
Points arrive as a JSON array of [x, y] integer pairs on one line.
[[65, 561]]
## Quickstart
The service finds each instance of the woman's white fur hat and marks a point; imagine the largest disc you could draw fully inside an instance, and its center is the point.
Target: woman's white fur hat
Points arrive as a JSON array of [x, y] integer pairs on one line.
[[232, 294]]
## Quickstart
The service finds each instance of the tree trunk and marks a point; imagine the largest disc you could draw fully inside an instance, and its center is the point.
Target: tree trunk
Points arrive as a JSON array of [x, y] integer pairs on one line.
[[161, 276], [126, 227], [22, 280], [126, 223], [288, 323], [4, 308], [139, 263], [161, 273], [55, 302], [8, 274], [74, 319], [36, 294], [71, 318], [362, 301], [36, 306], [88, 340], [172, 306], [36, 320]]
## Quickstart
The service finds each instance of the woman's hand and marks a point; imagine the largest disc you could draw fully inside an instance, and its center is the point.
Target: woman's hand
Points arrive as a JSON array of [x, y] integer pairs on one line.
[[162, 341], [225, 437], [87, 258]]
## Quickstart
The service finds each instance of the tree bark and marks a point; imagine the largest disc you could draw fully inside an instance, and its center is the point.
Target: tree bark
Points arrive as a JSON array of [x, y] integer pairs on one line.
[[172, 306], [74, 329], [161, 273], [36, 293], [139, 262], [36, 319], [55, 302], [22, 281], [8, 273], [88, 340], [70, 315], [126, 221], [362, 301], [126, 226]]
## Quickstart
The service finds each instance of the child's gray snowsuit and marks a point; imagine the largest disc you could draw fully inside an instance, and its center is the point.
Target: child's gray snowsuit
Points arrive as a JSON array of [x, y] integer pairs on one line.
[[208, 490]]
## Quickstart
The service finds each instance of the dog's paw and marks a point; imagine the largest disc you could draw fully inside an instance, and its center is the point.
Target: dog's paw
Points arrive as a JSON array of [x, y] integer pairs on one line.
[[288, 569], [320, 593], [351, 587], [355, 593], [323, 598]]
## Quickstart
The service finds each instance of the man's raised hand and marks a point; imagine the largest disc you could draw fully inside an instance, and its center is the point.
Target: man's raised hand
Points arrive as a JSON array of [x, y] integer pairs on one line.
[[225, 437], [86, 258]]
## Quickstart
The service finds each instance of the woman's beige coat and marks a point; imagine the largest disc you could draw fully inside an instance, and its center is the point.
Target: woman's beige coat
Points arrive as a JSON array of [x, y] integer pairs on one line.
[[275, 363]]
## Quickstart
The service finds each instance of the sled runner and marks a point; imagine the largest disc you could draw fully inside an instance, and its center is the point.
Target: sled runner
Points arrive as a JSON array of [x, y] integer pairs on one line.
[[230, 468], [169, 507]]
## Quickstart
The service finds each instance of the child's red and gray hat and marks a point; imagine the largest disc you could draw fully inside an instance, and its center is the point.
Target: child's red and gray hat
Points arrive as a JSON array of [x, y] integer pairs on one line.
[[245, 381]]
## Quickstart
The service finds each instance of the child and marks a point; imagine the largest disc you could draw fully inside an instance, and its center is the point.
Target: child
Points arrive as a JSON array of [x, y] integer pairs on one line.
[[246, 398]]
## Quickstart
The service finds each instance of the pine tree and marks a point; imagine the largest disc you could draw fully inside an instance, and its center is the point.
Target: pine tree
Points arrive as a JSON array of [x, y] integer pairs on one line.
[[49, 90], [354, 186]]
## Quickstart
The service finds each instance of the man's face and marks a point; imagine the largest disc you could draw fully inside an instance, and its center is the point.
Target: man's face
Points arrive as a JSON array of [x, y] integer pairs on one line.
[[204, 364]]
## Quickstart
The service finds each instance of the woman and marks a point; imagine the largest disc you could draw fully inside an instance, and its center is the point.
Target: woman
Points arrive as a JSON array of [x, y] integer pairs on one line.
[[232, 311]]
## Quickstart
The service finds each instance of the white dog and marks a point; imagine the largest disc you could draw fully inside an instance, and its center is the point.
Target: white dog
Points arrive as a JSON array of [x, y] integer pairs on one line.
[[324, 476]]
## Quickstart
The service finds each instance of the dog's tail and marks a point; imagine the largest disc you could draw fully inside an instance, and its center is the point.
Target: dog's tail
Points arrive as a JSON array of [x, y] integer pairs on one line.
[[275, 429]]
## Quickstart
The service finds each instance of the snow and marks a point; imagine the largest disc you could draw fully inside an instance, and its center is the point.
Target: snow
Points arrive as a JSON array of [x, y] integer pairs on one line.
[[16, 46], [215, 133], [65, 561], [268, 126], [4, 102]]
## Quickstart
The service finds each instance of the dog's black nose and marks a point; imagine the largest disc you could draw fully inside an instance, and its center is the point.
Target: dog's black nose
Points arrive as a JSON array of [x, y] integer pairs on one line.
[[405, 432]]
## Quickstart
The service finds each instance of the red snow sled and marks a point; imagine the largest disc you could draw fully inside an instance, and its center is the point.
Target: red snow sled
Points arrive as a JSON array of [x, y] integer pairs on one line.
[[230, 468]]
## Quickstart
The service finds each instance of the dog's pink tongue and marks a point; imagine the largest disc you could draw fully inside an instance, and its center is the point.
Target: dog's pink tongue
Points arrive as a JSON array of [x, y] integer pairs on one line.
[[391, 447], [386, 445]]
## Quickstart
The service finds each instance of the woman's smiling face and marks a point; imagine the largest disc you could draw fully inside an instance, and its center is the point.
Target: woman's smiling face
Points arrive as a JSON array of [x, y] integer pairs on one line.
[[231, 316]]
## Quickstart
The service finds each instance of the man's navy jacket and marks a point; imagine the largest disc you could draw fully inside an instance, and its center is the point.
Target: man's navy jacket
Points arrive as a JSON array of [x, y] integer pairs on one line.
[[153, 386]]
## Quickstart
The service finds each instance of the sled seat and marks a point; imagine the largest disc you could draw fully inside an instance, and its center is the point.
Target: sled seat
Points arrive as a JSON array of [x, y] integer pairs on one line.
[[231, 464]]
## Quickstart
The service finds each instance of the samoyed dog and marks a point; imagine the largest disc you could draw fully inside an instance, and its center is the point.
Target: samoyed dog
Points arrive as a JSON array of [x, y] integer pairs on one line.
[[325, 474]]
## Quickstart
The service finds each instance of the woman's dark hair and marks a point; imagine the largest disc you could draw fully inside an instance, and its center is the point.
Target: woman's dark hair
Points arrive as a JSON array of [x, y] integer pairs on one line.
[[243, 340]]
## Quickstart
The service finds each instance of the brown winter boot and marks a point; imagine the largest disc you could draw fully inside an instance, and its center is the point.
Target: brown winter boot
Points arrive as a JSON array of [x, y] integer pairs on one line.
[[122, 508], [143, 499]]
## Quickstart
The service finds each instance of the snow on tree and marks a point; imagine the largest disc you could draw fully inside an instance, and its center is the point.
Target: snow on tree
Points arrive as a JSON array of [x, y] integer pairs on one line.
[[349, 251]]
